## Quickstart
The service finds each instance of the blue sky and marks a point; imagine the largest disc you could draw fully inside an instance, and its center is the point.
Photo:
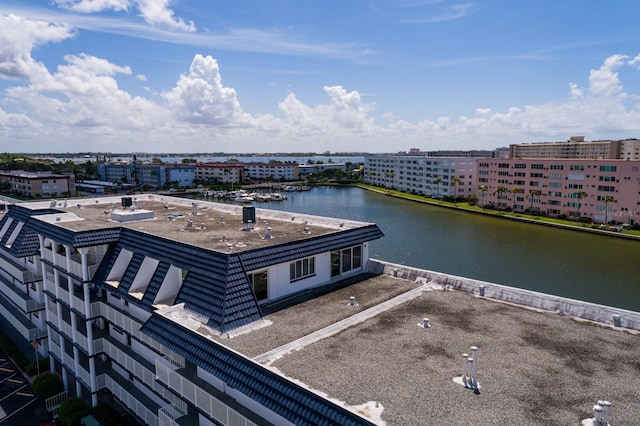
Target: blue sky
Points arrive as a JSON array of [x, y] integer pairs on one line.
[[298, 76]]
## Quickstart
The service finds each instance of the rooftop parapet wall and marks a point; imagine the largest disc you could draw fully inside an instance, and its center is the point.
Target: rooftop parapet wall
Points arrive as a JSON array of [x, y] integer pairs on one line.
[[619, 318]]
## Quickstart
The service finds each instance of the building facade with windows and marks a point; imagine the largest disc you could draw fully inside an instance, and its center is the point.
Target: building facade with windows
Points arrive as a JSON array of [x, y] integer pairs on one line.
[[577, 147], [154, 175], [217, 173], [39, 184], [430, 176], [271, 171], [136, 297], [599, 190]]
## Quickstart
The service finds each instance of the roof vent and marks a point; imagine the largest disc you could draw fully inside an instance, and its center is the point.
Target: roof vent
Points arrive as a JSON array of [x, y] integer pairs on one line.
[[53, 203], [469, 377], [194, 209], [353, 301], [267, 234], [307, 230], [58, 218], [189, 224], [65, 203], [425, 323]]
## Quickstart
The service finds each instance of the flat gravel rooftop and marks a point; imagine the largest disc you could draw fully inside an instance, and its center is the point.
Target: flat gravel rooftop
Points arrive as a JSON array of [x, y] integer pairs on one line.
[[214, 226], [534, 367]]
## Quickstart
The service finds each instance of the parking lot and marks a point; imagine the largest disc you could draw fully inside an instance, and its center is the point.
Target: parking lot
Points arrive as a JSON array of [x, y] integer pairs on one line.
[[18, 405]]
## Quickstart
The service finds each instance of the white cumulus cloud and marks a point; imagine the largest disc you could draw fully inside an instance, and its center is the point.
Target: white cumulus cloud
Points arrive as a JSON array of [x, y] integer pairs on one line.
[[199, 97], [18, 36], [154, 12]]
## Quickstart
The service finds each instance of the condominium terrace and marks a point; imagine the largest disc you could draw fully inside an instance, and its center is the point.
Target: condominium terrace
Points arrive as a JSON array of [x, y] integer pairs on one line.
[[376, 356]]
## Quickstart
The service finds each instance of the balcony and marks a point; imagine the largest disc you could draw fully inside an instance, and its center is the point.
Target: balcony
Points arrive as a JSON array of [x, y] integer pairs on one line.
[[20, 322], [204, 401], [19, 298], [15, 269]]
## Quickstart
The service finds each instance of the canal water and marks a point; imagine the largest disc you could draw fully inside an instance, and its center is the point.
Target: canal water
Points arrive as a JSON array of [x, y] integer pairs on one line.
[[578, 265]]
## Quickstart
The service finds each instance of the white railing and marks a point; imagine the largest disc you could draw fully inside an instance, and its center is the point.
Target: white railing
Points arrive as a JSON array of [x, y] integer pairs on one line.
[[197, 396], [54, 347], [148, 416], [29, 333], [20, 299], [143, 374], [168, 414], [133, 328], [54, 402], [80, 339]]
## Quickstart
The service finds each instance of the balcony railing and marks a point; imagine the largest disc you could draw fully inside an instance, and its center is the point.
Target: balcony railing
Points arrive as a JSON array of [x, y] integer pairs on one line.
[[145, 375], [148, 416], [23, 301], [165, 372]]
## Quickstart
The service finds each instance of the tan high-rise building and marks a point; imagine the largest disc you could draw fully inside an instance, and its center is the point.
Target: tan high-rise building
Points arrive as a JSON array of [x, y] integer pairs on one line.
[[577, 147]]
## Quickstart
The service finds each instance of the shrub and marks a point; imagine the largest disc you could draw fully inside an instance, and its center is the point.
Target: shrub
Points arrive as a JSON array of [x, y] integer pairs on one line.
[[32, 368], [108, 415], [47, 385], [71, 411]]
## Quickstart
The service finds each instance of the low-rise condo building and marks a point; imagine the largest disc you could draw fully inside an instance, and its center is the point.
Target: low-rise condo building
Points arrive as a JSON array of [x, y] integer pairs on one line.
[[430, 176], [39, 184]]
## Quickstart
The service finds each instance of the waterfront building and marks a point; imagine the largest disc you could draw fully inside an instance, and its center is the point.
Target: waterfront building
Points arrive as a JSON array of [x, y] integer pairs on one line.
[[429, 176], [577, 147], [598, 190], [154, 175], [209, 314], [110, 289], [305, 170], [39, 184], [217, 173], [271, 171]]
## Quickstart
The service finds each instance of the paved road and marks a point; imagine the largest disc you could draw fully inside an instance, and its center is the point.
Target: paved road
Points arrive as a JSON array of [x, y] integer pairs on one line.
[[18, 405]]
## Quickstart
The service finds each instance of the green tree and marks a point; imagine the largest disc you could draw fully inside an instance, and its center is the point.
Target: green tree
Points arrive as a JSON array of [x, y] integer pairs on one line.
[[438, 181], [71, 411], [47, 385], [454, 182], [483, 193], [501, 190], [607, 199], [515, 190], [579, 195], [532, 194]]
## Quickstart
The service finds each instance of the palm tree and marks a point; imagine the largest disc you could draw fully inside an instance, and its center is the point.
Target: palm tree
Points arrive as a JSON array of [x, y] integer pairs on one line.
[[483, 192], [455, 181], [532, 194], [608, 199], [579, 195], [515, 190], [438, 181], [500, 191]]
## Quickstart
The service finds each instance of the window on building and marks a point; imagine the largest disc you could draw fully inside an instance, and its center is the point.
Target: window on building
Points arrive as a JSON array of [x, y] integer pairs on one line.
[[346, 260], [259, 283], [608, 168], [302, 268]]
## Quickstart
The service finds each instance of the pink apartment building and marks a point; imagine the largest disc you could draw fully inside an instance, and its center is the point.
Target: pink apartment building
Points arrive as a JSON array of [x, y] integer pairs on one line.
[[595, 190]]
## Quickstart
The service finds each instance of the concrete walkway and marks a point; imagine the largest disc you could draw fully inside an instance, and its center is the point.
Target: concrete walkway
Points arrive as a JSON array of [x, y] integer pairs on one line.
[[274, 354]]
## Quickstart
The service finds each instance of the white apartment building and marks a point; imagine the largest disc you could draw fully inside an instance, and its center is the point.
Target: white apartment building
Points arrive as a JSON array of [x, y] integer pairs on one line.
[[430, 176], [137, 300]]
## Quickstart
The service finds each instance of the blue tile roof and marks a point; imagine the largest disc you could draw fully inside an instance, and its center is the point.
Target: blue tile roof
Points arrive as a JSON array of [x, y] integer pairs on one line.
[[287, 399]]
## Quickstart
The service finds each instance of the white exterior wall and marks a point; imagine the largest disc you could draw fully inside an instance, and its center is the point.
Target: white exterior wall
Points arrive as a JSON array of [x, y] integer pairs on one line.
[[420, 175]]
